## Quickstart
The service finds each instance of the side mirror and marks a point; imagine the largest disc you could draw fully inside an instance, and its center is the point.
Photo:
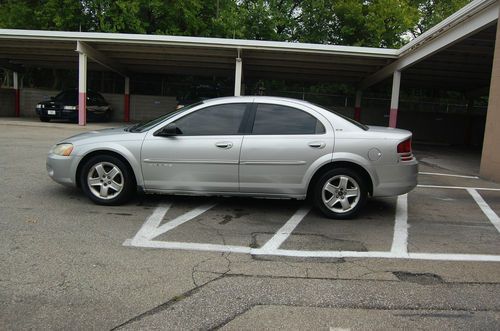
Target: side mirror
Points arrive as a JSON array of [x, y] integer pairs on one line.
[[169, 130]]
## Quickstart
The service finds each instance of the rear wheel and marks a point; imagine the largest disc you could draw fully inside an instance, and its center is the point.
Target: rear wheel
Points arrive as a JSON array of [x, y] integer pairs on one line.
[[106, 180], [340, 193], [44, 119]]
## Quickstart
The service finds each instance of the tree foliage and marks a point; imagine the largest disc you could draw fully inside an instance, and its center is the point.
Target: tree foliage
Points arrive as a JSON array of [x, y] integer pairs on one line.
[[376, 23]]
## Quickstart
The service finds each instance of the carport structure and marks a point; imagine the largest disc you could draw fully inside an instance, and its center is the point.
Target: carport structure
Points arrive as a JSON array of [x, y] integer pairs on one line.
[[458, 53]]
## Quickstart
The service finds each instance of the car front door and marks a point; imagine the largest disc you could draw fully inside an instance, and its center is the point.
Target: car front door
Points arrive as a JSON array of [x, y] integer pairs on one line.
[[202, 157], [283, 143]]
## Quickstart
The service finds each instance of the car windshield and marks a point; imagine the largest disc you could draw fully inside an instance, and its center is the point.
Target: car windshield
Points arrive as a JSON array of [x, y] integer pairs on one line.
[[350, 120], [144, 126], [67, 97]]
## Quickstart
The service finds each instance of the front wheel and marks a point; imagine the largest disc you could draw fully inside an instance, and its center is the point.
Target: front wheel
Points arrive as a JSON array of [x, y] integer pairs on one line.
[[44, 119], [340, 193], [106, 180]]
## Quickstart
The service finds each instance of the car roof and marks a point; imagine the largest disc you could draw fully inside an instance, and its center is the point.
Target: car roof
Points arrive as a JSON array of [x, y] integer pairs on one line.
[[255, 98]]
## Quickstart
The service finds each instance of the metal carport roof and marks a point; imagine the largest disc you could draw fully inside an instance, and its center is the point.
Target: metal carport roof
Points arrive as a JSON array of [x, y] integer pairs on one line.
[[191, 55]]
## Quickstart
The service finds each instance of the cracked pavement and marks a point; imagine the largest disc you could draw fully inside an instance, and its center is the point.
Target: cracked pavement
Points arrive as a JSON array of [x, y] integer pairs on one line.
[[63, 265]]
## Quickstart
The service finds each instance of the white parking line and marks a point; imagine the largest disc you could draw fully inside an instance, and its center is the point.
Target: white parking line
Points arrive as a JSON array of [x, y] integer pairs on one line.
[[152, 222], [400, 239], [180, 220], [189, 246], [383, 255], [152, 229], [285, 231], [459, 187], [448, 175], [492, 216]]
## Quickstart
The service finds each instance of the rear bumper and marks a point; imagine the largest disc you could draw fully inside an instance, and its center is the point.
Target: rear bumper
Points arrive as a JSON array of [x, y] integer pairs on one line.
[[396, 180]]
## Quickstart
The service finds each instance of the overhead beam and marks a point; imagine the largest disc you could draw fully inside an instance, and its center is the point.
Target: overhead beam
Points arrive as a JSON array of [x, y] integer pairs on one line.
[[97, 56], [432, 43]]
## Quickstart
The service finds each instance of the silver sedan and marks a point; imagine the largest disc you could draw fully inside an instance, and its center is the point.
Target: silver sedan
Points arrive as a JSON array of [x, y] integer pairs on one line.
[[245, 146]]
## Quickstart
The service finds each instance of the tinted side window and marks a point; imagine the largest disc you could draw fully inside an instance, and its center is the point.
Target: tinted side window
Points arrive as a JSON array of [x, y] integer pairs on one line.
[[276, 119], [215, 120]]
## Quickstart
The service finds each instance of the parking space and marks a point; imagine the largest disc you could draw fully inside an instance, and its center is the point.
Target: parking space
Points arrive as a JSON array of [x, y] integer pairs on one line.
[[232, 222], [433, 222], [449, 221], [372, 230]]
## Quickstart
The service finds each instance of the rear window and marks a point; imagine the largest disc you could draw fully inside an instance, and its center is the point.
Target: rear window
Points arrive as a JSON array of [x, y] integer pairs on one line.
[[276, 119], [350, 120]]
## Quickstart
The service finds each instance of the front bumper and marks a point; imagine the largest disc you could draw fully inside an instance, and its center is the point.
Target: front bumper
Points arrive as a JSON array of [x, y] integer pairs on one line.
[[62, 169], [396, 179], [61, 114]]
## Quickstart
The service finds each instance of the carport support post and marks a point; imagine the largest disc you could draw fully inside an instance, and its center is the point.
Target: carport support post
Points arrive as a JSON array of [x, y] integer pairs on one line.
[[82, 89], [490, 158], [17, 101], [126, 107], [357, 106], [396, 83], [237, 76]]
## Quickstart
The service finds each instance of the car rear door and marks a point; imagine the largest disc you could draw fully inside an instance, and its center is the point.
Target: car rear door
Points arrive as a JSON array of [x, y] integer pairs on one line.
[[204, 157], [285, 139]]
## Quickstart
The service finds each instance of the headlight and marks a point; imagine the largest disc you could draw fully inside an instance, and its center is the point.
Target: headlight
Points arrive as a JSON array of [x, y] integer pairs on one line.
[[62, 149], [39, 106], [70, 107]]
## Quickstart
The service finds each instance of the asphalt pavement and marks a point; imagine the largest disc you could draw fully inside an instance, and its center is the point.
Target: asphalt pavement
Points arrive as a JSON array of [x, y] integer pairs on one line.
[[67, 263]]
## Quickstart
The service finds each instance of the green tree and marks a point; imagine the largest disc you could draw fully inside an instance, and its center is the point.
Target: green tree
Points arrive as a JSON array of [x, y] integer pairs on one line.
[[433, 12], [377, 23]]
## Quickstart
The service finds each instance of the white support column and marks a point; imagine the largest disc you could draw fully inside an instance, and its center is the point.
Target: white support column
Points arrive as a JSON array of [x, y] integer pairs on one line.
[[82, 89], [396, 83], [126, 107], [357, 105], [238, 75], [17, 102]]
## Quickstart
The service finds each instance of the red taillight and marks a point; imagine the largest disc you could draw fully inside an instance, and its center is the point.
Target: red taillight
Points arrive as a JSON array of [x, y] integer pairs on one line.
[[404, 150], [405, 146]]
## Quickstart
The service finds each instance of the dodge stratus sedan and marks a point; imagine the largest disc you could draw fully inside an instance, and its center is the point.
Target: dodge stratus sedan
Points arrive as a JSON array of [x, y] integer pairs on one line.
[[245, 146]]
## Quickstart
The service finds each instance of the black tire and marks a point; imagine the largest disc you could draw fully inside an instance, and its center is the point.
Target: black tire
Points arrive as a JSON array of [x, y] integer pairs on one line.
[[126, 178], [44, 119], [334, 177]]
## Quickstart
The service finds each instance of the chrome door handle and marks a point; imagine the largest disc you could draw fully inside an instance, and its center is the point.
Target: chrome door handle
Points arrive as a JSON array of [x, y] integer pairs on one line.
[[317, 144], [224, 144]]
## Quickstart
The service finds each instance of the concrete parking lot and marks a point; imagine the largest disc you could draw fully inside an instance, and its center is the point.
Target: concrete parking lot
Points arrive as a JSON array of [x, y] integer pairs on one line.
[[429, 259]]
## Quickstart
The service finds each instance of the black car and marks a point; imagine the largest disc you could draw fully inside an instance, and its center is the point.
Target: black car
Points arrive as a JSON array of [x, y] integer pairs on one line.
[[65, 106], [199, 93]]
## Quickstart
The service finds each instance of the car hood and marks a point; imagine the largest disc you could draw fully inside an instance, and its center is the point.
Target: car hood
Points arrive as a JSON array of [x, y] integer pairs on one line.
[[103, 135]]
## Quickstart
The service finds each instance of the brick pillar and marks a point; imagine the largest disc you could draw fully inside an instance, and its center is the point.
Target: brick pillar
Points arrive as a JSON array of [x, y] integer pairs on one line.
[[17, 100], [82, 89], [396, 84], [126, 106], [357, 106]]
